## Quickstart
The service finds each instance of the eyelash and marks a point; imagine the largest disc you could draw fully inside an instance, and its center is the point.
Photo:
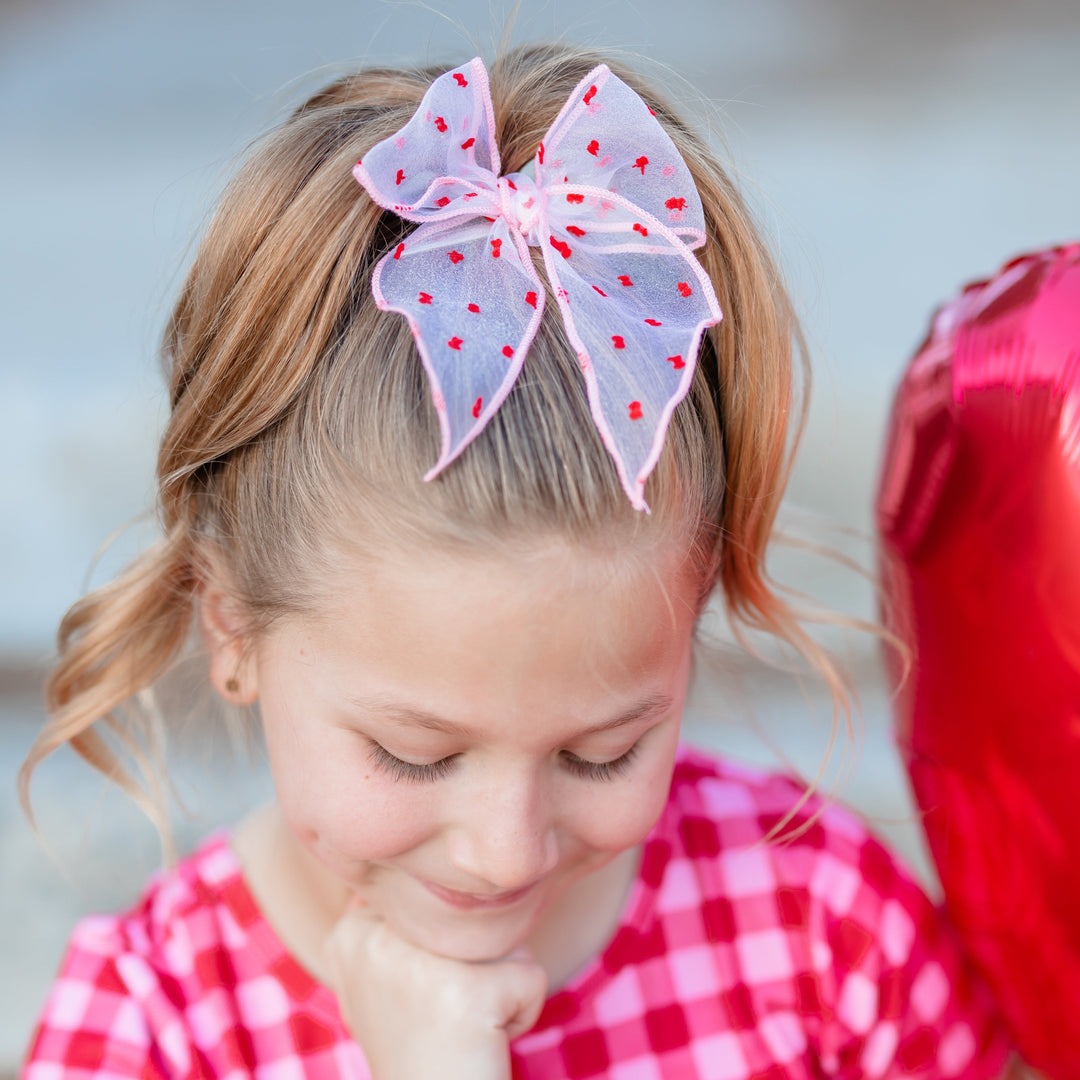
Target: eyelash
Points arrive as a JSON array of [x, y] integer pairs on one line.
[[407, 770], [599, 771]]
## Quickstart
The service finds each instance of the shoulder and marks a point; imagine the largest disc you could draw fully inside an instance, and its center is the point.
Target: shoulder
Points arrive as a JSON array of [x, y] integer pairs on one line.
[[117, 1005], [733, 811], [819, 915], [748, 817], [769, 852], [183, 913]]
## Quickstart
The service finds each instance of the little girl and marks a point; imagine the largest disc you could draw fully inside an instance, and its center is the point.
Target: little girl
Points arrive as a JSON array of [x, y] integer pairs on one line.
[[458, 559]]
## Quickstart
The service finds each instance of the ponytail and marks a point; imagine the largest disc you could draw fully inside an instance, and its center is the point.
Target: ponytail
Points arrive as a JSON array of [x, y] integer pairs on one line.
[[113, 643]]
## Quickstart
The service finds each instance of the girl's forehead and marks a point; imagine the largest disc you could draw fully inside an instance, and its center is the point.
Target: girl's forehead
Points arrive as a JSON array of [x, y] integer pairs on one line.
[[539, 573], [455, 632]]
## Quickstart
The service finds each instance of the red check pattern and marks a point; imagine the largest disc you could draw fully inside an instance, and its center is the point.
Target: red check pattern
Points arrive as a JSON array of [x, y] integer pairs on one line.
[[735, 959]]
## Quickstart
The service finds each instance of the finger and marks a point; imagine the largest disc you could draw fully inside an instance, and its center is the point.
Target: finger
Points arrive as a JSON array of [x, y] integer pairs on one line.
[[524, 988]]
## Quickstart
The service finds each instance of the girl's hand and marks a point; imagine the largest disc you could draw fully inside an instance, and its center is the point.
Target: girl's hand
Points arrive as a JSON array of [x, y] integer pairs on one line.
[[419, 1016]]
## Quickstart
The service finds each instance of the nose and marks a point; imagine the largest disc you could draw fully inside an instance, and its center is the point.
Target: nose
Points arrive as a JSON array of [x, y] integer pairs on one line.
[[505, 837]]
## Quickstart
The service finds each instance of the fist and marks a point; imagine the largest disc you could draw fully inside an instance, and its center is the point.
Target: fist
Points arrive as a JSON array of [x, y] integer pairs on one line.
[[417, 1015]]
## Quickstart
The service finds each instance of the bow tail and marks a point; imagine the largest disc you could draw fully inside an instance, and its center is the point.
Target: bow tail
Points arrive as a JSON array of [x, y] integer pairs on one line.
[[636, 318], [473, 301]]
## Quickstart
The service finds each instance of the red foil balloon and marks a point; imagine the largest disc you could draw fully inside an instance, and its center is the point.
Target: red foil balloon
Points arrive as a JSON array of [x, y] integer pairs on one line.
[[979, 513]]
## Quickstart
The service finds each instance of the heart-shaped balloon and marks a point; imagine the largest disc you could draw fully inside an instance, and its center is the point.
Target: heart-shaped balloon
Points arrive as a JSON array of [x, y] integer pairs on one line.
[[979, 514]]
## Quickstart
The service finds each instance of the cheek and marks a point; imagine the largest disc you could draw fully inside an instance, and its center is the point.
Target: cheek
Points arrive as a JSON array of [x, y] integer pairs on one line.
[[361, 820], [615, 826], [620, 814], [339, 806]]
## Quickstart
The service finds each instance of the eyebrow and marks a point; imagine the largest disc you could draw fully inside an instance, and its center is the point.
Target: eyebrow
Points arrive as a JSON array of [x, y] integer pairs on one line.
[[650, 707]]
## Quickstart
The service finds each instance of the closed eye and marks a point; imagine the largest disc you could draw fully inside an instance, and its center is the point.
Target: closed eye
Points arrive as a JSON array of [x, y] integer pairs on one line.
[[580, 767], [599, 770], [407, 770]]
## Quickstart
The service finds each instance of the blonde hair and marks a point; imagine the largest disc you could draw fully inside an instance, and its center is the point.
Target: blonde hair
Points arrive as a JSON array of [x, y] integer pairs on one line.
[[299, 409]]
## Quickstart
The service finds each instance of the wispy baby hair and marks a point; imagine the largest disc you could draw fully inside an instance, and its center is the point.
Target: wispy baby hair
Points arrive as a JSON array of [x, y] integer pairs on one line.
[[301, 418]]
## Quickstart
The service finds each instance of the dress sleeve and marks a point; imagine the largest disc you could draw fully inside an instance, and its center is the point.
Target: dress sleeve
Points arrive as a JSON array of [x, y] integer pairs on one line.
[[92, 1024], [906, 1002]]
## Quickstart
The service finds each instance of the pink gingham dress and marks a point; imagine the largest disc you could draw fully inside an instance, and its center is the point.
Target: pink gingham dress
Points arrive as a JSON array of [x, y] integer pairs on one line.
[[734, 959]]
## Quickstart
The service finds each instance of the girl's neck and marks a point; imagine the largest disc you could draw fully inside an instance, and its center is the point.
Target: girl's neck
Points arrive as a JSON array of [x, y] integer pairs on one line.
[[302, 900]]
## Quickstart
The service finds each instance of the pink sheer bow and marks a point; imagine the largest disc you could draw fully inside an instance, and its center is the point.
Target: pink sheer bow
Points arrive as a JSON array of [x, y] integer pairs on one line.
[[615, 212]]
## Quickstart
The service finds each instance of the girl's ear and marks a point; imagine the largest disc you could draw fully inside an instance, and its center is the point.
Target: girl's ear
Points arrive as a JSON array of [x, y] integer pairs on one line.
[[233, 667]]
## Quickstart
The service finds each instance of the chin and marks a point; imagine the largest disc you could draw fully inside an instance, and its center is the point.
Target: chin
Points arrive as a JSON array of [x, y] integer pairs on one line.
[[471, 936], [470, 945]]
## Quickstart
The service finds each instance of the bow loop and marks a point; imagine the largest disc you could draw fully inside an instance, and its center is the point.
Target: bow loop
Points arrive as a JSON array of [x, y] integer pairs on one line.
[[607, 137], [445, 154]]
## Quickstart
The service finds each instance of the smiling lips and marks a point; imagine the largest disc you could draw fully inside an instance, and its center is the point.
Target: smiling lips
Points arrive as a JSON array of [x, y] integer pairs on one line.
[[471, 901]]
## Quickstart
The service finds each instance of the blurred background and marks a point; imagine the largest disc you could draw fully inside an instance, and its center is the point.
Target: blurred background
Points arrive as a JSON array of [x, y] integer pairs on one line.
[[892, 152]]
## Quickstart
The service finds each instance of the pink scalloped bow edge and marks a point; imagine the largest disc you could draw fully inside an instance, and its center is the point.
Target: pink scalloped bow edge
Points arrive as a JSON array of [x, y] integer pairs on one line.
[[614, 210]]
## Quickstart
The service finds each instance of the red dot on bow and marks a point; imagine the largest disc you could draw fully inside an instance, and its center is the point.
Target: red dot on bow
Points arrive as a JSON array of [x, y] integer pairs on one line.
[[572, 198], [470, 194], [442, 201], [530, 299], [675, 204], [599, 290], [684, 289], [589, 95], [540, 154], [455, 256], [496, 245], [400, 176], [617, 341], [474, 308], [467, 143], [624, 279], [573, 230], [398, 250], [676, 362], [455, 343], [508, 351], [424, 298], [593, 148], [440, 123], [460, 79], [641, 163], [654, 322], [635, 410], [477, 406], [561, 246], [639, 228]]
